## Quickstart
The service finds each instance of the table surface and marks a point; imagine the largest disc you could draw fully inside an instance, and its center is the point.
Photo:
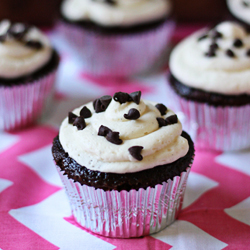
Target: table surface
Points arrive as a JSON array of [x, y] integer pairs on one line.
[[34, 211]]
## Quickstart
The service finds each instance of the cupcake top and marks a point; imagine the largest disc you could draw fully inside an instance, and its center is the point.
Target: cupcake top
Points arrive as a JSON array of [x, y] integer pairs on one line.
[[23, 49], [216, 60], [122, 134], [115, 12], [240, 9]]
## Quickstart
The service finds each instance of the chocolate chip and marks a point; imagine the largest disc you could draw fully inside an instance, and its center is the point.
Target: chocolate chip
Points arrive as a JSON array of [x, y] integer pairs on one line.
[[245, 3], [121, 97], [133, 114], [113, 137], [248, 52], [111, 2], [85, 112], [135, 151], [171, 119], [136, 97], [202, 37], [238, 43], [101, 104], [216, 34], [103, 131], [34, 44], [71, 117], [214, 46], [2, 38], [162, 108], [161, 122], [210, 53], [18, 30], [230, 53], [79, 123]]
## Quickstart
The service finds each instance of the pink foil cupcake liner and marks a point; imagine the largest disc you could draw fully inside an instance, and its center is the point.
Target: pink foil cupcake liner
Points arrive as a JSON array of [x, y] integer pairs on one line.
[[218, 128], [126, 214], [21, 105], [118, 55]]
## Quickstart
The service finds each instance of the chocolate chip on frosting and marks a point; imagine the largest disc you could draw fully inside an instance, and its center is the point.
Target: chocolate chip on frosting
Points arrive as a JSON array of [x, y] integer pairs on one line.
[[216, 34], [248, 52], [133, 114], [162, 108], [85, 112], [103, 131], [34, 44], [214, 46], [245, 3], [18, 30], [136, 97], [2, 38], [202, 37], [71, 117], [79, 122], [161, 122], [135, 151], [101, 104], [171, 119], [113, 137], [230, 53], [238, 43], [111, 2], [211, 52], [121, 97]]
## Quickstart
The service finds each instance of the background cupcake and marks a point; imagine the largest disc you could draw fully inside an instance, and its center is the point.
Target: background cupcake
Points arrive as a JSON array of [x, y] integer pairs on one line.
[[27, 73], [124, 163], [117, 37], [210, 76], [240, 9]]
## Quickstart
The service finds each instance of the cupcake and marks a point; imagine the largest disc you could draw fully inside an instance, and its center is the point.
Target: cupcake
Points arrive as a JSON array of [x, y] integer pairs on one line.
[[28, 65], [117, 37], [124, 163], [240, 9], [210, 82]]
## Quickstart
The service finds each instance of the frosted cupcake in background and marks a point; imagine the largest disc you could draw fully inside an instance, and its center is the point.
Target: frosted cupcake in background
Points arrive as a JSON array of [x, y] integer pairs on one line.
[[28, 65], [124, 163], [210, 81], [240, 9], [117, 37]]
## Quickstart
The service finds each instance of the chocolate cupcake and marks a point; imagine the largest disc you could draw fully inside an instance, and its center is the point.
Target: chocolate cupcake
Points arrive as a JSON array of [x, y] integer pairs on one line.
[[210, 81], [28, 65], [118, 37], [124, 163], [240, 9]]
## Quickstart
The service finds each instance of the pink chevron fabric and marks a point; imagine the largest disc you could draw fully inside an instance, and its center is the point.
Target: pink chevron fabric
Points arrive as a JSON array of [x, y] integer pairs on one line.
[[34, 211]]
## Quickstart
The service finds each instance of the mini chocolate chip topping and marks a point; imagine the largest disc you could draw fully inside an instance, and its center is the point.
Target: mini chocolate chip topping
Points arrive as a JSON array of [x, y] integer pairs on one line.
[[113, 137], [121, 97], [136, 97], [238, 43], [79, 123], [34, 44], [214, 46], [103, 131], [161, 122], [245, 3], [171, 119], [71, 117], [101, 104], [18, 30], [202, 37], [111, 2], [85, 112], [162, 108], [2, 38], [135, 151], [216, 34], [210, 53], [248, 52], [230, 53], [133, 114]]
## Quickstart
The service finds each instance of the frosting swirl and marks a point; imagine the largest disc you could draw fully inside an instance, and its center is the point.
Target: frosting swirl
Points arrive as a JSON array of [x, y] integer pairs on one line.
[[23, 50], [240, 9], [216, 60], [116, 12], [158, 145]]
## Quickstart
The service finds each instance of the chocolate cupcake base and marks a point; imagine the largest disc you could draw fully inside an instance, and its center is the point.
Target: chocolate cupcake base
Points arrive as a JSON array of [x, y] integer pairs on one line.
[[141, 208]]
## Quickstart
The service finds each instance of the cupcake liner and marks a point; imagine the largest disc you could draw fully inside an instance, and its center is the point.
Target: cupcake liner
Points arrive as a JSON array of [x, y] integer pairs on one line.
[[126, 214], [219, 128], [118, 55], [21, 105]]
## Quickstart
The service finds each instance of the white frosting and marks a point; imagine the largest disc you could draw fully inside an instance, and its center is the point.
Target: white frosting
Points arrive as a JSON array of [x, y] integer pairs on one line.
[[219, 74], [160, 145], [123, 13], [18, 60], [240, 10]]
